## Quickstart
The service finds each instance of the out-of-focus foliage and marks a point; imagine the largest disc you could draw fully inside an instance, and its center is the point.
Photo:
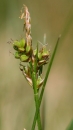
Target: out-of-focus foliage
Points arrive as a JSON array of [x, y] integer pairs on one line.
[[70, 127], [52, 17]]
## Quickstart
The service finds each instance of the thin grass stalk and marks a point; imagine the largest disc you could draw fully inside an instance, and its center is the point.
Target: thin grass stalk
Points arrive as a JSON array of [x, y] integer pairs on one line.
[[45, 81], [36, 95]]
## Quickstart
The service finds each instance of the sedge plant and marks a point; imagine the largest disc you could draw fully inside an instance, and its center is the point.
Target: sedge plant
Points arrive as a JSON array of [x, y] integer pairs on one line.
[[32, 62]]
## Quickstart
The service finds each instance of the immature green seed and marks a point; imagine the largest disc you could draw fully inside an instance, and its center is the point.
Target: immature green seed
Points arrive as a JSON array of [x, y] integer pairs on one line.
[[39, 81], [39, 56], [45, 52], [22, 43], [28, 48], [19, 44], [21, 49], [17, 55], [24, 58], [15, 45]]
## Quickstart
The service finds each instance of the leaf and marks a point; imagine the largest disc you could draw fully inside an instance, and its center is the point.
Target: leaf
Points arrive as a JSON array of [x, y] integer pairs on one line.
[[45, 80], [49, 67], [70, 127]]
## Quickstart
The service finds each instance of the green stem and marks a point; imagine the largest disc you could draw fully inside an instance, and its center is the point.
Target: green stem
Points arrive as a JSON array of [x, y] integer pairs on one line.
[[36, 97], [44, 84]]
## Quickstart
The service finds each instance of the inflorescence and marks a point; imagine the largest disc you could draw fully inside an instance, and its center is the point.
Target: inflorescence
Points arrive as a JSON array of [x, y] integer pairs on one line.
[[25, 52]]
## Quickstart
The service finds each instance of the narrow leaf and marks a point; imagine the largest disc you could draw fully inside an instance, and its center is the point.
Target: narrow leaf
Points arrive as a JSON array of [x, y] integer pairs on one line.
[[49, 68], [70, 127], [44, 84]]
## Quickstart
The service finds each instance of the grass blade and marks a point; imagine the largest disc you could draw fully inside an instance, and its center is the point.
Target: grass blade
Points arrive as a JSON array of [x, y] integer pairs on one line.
[[49, 68], [45, 80], [70, 127]]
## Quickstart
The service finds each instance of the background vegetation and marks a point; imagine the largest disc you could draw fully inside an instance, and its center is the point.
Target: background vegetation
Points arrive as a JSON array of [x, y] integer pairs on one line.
[[52, 17]]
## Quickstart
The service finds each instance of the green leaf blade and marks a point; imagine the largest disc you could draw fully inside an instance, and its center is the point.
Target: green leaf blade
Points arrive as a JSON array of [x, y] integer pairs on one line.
[[70, 127], [45, 80]]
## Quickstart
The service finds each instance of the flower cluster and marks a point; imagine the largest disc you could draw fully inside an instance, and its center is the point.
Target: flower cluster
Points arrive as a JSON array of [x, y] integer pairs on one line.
[[26, 53]]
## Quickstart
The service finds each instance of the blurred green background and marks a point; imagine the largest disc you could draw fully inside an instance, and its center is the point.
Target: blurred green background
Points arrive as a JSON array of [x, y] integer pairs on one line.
[[17, 108]]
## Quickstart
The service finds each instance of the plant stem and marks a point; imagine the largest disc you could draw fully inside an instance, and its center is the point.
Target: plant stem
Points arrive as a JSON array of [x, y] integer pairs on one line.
[[36, 92], [45, 80], [36, 97]]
